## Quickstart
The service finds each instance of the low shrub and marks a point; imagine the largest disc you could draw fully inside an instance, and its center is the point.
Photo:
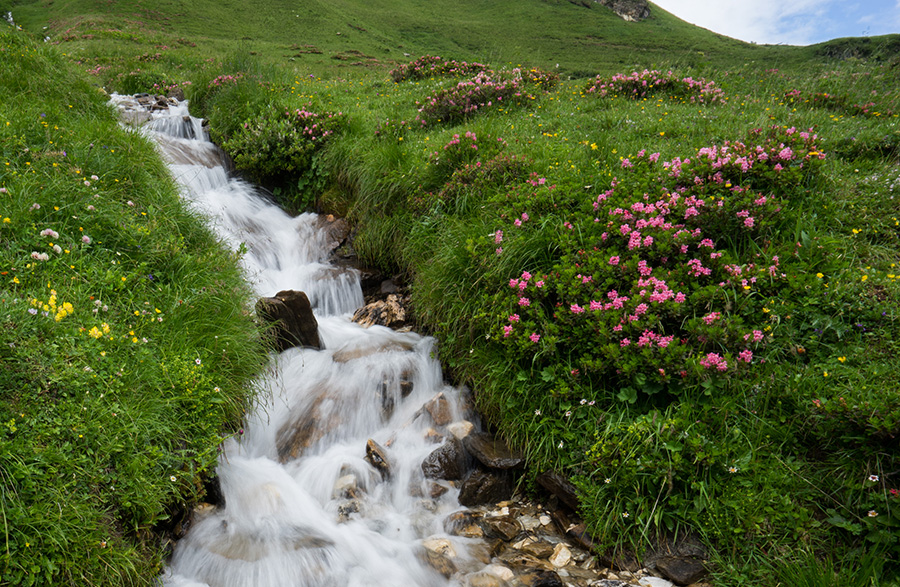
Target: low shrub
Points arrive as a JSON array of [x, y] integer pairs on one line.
[[281, 151], [638, 86], [430, 66]]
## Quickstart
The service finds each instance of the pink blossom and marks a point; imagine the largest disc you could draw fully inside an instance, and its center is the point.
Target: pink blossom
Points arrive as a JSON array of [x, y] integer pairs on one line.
[[498, 237], [576, 309], [524, 216], [498, 250], [711, 317], [513, 283], [749, 222], [514, 318], [596, 305], [680, 298], [624, 342], [539, 284], [526, 275], [746, 355], [507, 330], [534, 337], [517, 222], [524, 302], [714, 361], [86, 239], [614, 260]]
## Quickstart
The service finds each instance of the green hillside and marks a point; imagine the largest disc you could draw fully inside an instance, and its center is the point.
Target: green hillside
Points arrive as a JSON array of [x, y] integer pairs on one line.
[[679, 287], [317, 34]]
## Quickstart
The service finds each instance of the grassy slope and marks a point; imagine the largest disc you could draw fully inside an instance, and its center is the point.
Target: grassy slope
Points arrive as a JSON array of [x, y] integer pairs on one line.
[[119, 378], [543, 33]]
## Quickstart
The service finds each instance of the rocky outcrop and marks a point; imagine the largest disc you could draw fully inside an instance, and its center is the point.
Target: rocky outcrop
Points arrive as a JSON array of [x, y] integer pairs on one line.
[[630, 10], [291, 318], [390, 312]]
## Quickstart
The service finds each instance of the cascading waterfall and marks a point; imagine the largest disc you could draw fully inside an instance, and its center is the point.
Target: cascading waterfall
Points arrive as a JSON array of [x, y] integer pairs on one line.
[[303, 507]]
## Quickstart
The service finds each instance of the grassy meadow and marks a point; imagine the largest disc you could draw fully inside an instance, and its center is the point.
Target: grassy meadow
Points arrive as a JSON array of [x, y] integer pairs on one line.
[[671, 276], [122, 317]]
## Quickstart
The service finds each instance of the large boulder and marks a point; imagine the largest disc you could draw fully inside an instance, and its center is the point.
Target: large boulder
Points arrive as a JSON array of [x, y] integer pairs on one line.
[[448, 461], [485, 487], [292, 319], [492, 452]]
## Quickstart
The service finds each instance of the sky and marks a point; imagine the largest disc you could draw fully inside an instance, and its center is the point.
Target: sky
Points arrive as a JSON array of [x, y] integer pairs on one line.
[[789, 22]]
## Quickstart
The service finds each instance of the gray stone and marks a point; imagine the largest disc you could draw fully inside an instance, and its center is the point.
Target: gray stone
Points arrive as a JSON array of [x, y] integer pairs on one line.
[[439, 409], [448, 461], [292, 321], [377, 457], [492, 452], [483, 487], [439, 554], [559, 486], [681, 570], [463, 523], [505, 527], [630, 10], [541, 579]]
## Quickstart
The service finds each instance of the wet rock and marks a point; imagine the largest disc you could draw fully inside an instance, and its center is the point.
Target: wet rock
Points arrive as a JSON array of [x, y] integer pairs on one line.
[[440, 555], [291, 316], [539, 548], [446, 462], [499, 571], [377, 457], [346, 487], [349, 353], [390, 312], [347, 508], [460, 429], [464, 523], [436, 490], [653, 582], [336, 231], [406, 385], [561, 556], [541, 579], [520, 560], [484, 487], [483, 579], [559, 486], [308, 427], [438, 408], [433, 436], [505, 527], [609, 583], [681, 570], [493, 452]]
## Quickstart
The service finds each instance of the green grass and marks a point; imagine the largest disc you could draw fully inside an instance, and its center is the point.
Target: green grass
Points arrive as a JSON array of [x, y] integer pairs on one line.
[[120, 370]]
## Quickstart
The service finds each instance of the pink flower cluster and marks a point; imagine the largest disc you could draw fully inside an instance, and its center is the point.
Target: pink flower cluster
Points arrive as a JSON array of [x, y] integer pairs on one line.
[[648, 82]]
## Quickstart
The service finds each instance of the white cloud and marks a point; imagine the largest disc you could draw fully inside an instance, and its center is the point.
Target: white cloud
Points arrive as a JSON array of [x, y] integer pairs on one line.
[[797, 22]]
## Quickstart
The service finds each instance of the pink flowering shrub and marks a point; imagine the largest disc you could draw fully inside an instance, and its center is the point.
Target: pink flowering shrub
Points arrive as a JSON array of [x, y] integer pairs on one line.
[[648, 83], [470, 96], [657, 286], [430, 66]]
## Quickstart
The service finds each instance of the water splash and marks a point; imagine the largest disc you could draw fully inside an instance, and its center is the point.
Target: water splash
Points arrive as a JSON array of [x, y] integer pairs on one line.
[[303, 506]]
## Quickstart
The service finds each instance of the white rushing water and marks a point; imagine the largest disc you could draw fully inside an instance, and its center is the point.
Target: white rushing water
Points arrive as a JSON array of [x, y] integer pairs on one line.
[[302, 505]]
